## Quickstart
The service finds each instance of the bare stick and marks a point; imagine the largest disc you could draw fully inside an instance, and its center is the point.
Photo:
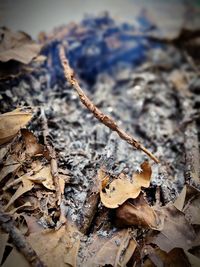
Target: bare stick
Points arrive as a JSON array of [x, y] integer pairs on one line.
[[8, 226], [52, 154], [106, 120]]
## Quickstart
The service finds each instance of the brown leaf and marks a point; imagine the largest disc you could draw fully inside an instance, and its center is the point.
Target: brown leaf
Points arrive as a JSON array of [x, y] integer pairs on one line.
[[56, 248], [115, 251], [17, 46], [14, 259], [44, 174], [32, 223], [176, 232], [11, 123], [4, 239], [26, 186], [194, 261], [10, 166], [32, 146], [138, 212], [158, 257], [122, 189]]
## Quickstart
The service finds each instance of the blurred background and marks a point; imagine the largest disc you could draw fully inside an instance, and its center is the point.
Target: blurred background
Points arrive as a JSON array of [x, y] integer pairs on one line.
[[35, 16]]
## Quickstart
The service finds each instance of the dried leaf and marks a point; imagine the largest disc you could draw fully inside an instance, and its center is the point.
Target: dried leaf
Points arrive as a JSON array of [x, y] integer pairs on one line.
[[115, 251], [180, 201], [176, 232], [143, 178], [157, 257], [189, 203], [26, 186], [4, 239], [32, 146], [122, 189], [32, 223], [17, 46], [14, 259], [138, 212], [10, 166], [103, 178], [56, 248], [11, 123], [194, 261], [45, 176]]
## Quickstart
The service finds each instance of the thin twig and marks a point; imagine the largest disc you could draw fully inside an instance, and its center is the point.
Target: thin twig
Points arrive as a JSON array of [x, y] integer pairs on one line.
[[52, 155], [19, 241], [106, 120]]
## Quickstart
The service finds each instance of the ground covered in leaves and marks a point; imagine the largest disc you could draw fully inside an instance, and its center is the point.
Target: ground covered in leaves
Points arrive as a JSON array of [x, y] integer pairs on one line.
[[71, 190]]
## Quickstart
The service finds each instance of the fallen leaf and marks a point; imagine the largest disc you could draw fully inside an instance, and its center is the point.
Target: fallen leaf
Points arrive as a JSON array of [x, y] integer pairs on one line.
[[193, 260], [4, 239], [32, 223], [176, 232], [180, 201], [189, 203], [17, 46], [143, 178], [26, 186], [10, 166], [11, 123], [45, 176], [138, 212], [32, 146], [157, 257], [122, 189], [56, 247], [14, 259], [115, 250]]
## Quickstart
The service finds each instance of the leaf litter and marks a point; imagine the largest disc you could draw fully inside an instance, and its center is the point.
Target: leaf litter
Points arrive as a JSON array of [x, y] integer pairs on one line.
[[108, 200]]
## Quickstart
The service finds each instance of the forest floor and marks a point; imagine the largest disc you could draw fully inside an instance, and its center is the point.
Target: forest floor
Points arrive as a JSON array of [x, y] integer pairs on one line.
[[73, 193]]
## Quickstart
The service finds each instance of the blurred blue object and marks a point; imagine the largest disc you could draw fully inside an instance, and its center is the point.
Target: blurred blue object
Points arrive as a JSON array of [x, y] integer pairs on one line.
[[97, 45]]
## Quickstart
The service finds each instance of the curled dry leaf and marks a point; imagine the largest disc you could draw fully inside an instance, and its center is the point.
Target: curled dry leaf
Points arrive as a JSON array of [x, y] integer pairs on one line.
[[113, 251], [56, 247], [17, 46], [138, 212], [122, 189], [32, 146], [11, 123]]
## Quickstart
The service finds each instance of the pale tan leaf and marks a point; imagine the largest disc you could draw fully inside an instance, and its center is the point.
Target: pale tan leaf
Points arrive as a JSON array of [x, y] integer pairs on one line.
[[11, 166], [11, 123], [45, 173], [113, 251], [56, 247], [143, 178], [122, 188], [4, 239], [62, 184], [14, 259], [17, 46], [26, 186], [119, 191], [180, 201], [194, 261]]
